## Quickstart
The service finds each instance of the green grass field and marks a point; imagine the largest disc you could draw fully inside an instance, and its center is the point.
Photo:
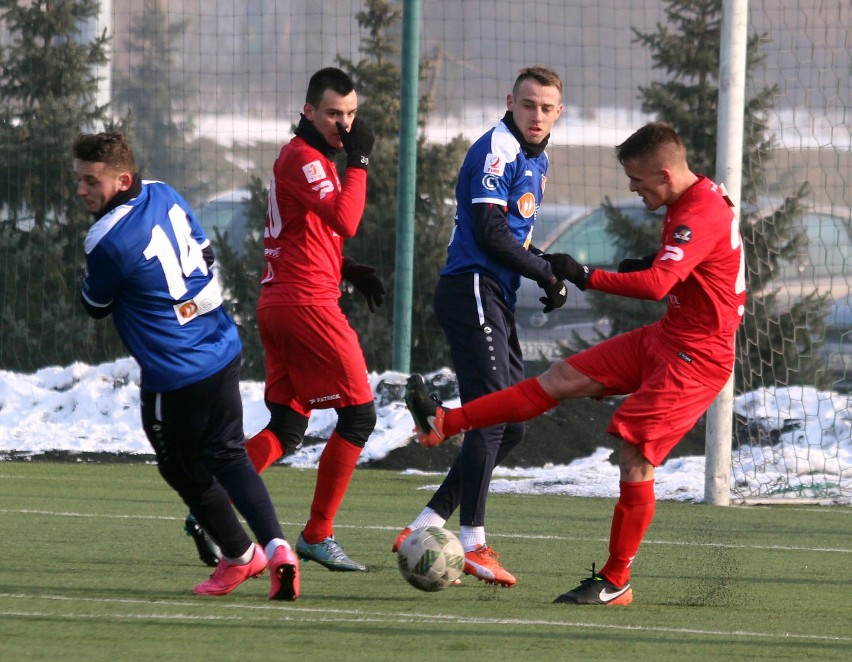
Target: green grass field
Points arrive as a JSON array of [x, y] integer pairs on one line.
[[95, 566]]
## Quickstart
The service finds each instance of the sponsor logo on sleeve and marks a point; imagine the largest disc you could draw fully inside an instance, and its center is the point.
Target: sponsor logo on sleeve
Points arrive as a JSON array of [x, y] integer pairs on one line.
[[673, 253], [494, 165], [324, 188], [526, 205], [682, 234], [313, 171], [489, 182]]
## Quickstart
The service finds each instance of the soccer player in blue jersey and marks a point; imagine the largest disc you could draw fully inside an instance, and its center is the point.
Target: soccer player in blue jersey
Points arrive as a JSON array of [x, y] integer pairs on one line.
[[499, 190], [149, 266]]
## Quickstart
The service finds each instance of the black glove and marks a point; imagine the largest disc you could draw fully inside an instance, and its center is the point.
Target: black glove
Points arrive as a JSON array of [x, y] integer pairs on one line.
[[629, 264], [556, 295], [567, 268], [364, 279], [357, 143]]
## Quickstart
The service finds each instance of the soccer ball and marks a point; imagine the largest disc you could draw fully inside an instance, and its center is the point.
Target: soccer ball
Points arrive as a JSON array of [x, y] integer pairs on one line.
[[431, 558]]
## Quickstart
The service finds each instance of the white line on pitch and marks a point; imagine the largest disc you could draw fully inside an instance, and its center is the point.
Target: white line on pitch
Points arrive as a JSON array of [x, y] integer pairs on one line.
[[780, 548], [325, 615]]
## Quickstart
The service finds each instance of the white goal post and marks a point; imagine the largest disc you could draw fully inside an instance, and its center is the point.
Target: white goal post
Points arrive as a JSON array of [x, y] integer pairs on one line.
[[729, 158]]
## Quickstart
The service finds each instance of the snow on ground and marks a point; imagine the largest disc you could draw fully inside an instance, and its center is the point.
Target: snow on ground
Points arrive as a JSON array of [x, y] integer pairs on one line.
[[803, 437]]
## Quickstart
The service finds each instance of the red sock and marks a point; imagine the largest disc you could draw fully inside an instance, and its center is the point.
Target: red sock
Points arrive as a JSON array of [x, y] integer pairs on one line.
[[263, 450], [336, 465], [632, 517], [521, 402]]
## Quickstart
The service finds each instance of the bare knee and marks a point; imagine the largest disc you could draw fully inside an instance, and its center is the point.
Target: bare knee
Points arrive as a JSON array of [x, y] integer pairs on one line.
[[562, 381], [634, 467]]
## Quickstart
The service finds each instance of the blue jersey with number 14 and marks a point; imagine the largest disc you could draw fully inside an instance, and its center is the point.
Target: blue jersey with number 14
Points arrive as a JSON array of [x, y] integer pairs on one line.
[[144, 259]]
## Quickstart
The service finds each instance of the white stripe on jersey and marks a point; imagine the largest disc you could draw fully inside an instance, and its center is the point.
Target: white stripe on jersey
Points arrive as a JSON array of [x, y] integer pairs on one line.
[[106, 223]]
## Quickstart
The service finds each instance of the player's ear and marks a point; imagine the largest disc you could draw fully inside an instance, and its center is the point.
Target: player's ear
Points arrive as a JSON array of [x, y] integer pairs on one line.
[[125, 179]]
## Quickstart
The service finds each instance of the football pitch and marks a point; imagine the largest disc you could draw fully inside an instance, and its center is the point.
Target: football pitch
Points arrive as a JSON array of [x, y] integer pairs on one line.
[[95, 566]]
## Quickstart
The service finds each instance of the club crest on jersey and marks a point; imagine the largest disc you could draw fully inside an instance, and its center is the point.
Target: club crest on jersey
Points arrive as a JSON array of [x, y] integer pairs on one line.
[[494, 165], [682, 234], [526, 205], [313, 171]]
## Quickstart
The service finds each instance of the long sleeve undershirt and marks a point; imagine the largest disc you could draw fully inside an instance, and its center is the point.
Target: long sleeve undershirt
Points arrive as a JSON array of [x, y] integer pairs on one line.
[[652, 284]]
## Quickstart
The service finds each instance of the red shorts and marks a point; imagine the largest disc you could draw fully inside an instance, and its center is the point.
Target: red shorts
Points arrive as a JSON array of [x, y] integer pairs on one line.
[[670, 387], [313, 358]]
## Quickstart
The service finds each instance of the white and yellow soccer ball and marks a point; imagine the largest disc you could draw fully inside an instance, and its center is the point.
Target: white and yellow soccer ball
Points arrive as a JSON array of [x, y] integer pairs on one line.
[[431, 558]]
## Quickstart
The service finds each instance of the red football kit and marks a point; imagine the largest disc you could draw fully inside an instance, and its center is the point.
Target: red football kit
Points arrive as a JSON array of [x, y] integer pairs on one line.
[[675, 367], [313, 357], [672, 369]]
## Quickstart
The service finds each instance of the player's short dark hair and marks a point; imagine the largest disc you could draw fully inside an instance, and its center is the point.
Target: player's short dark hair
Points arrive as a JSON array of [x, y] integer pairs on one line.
[[648, 141], [330, 78], [110, 148], [541, 74]]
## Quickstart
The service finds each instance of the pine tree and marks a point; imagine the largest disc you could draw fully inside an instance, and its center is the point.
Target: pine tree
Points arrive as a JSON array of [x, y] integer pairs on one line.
[[777, 343], [48, 87], [157, 96], [378, 81], [152, 91], [240, 276]]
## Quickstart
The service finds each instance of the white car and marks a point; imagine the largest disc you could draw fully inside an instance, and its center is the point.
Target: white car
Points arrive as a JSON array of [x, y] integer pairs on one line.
[[584, 236], [229, 214], [837, 346]]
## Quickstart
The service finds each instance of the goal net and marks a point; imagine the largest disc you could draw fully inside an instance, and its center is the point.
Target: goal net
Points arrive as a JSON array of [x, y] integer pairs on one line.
[[210, 90]]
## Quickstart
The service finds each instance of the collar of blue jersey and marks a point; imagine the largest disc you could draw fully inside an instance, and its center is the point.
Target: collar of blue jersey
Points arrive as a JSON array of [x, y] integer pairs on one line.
[[530, 149], [122, 196], [308, 132]]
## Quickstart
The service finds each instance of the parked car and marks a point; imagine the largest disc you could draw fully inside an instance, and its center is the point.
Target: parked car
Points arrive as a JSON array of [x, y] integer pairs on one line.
[[825, 266], [583, 235], [229, 214], [837, 346]]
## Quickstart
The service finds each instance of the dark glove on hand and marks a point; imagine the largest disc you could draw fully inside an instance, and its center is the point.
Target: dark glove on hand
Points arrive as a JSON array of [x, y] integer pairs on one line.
[[567, 268], [364, 279], [556, 295], [357, 143], [636, 263]]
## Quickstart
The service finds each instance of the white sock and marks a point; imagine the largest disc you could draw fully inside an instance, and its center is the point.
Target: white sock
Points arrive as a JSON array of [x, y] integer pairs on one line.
[[274, 544], [472, 537], [245, 558], [427, 518]]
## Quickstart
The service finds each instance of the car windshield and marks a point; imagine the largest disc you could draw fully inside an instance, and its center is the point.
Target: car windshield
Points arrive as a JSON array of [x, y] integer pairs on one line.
[[218, 215], [589, 242], [828, 249], [229, 217]]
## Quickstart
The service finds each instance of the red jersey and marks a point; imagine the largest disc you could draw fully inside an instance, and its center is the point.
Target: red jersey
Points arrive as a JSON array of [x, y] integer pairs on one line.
[[702, 245], [703, 249], [308, 216]]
